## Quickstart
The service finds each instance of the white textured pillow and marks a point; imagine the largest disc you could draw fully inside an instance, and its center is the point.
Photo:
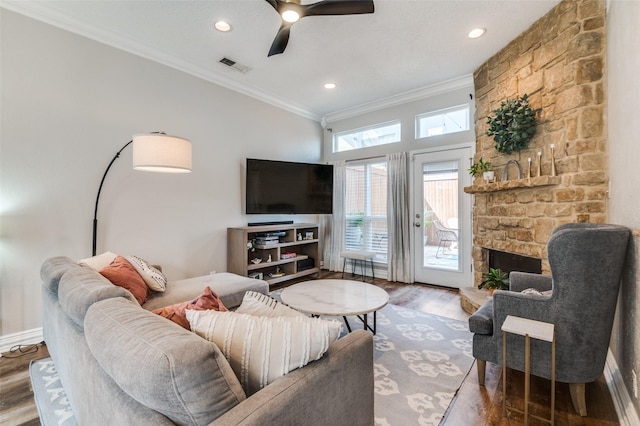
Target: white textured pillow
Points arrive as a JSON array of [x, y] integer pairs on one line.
[[262, 349], [255, 303], [99, 262], [154, 279]]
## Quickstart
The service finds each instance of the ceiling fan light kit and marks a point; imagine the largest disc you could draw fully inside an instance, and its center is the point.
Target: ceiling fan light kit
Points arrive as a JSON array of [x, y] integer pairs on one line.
[[291, 11]]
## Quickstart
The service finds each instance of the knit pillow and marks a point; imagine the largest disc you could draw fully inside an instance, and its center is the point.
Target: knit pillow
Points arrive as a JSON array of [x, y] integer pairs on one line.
[[151, 276], [262, 305], [262, 349]]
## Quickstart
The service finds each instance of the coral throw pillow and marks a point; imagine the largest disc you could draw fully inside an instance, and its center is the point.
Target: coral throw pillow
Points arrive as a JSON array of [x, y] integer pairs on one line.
[[176, 313], [123, 274]]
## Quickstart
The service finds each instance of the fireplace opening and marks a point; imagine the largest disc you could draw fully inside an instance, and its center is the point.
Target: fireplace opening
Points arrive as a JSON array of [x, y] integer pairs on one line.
[[514, 262]]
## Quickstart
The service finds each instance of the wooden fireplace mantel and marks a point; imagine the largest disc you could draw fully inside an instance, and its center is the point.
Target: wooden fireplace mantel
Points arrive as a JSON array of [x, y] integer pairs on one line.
[[507, 185]]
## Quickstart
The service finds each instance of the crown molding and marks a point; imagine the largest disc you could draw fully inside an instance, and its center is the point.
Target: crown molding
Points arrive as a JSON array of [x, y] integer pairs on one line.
[[41, 12], [402, 98]]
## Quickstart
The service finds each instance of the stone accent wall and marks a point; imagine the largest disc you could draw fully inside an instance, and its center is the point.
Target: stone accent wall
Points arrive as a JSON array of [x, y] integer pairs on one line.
[[560, 63]]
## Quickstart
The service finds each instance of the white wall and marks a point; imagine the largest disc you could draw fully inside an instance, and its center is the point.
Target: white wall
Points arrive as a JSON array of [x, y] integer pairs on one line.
[[623, 62], [624, 126], [68, 105]]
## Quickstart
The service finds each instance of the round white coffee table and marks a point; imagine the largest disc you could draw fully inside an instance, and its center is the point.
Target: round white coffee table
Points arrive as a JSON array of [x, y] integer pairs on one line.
[[337, 298]]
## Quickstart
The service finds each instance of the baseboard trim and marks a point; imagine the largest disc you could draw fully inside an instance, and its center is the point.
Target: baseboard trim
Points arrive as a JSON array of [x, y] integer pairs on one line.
[[619, 394], [28, 337]]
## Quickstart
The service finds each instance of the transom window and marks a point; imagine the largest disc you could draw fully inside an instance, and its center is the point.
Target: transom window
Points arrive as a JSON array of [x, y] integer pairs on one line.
[[379, 134], [366, 207], [441, 122]]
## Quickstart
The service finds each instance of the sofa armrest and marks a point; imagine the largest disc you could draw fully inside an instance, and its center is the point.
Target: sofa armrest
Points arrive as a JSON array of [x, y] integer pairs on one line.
[[337, 389], [519, 281]]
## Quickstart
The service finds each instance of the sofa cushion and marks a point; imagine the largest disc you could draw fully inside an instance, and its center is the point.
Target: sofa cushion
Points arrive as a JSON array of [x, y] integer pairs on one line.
[[481, 322], [52, 270], [122, 273], [177, 314], [265, 306], [263, 349], [82, 287], [154, 279], [164, 367]]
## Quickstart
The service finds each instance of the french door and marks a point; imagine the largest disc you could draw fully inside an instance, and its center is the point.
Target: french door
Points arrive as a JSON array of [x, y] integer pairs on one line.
[[442, 217]]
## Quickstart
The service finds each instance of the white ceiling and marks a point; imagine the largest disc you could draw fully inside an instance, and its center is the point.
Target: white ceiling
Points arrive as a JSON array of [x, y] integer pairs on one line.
[[404, 47]]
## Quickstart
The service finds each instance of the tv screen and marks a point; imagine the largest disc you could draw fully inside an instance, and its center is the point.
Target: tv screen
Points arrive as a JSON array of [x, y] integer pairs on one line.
[[283, 187]]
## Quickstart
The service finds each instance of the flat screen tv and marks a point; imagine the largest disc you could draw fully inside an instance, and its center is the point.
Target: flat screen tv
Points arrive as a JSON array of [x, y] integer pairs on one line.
[[283, 187]]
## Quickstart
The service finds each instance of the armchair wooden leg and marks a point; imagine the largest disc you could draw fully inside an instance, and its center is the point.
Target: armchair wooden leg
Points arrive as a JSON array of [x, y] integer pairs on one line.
[[482, 368], [577, 397]]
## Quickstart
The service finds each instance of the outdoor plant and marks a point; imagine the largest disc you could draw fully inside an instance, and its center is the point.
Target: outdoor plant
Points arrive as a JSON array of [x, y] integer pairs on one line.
[[512, 125], [495, 279], [480, 167]]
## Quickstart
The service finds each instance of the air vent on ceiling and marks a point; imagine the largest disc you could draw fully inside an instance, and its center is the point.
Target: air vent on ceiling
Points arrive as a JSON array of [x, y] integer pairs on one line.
[[233, 64]]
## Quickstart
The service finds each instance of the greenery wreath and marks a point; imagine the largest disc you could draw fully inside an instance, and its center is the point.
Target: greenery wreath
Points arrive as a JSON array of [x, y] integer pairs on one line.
[[512, 125]]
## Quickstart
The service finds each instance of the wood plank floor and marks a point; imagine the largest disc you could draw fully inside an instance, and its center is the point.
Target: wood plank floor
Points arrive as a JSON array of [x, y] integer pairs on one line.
[[473, 405]]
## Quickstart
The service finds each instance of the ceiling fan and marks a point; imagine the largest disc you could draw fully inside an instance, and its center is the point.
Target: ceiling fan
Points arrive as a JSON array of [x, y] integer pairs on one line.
[[291, 11]]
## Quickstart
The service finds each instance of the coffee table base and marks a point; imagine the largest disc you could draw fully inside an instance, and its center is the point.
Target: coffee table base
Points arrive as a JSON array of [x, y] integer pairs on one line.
[[365, 322]]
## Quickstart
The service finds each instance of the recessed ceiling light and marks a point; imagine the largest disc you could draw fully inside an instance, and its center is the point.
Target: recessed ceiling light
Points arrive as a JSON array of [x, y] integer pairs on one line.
[[477, 32], [222, 26], [329, 85]]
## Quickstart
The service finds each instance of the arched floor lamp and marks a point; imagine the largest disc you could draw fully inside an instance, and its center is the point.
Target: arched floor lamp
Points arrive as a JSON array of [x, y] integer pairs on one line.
[[152, 152]]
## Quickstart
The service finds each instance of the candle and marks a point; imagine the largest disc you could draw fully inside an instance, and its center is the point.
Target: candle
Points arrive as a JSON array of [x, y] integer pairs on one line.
[[529, 169]]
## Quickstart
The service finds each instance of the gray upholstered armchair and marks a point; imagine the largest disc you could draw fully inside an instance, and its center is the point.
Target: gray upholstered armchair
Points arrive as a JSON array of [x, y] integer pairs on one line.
[[586, 262]]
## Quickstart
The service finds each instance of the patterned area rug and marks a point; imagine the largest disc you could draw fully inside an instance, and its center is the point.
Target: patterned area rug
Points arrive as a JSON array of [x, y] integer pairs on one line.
[[420, 362], [51, 399]]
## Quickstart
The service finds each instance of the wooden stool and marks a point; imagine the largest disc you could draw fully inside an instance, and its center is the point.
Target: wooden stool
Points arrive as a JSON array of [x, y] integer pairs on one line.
[[361, 256]]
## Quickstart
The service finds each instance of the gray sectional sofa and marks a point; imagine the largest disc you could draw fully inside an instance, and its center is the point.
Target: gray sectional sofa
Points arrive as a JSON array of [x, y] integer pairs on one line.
[[120, 364]]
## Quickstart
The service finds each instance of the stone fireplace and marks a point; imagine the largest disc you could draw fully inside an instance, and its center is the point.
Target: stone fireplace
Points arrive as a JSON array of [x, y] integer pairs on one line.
[[560, 63]]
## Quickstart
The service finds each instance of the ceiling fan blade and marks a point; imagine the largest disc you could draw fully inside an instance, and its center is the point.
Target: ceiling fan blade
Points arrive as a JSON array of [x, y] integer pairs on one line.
[[273, 3], [339, 7], [281, 40]]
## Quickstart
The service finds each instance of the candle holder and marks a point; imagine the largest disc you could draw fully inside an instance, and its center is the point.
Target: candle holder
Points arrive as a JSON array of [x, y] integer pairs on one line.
[[539, 163], [529, 168], [553, 161]]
